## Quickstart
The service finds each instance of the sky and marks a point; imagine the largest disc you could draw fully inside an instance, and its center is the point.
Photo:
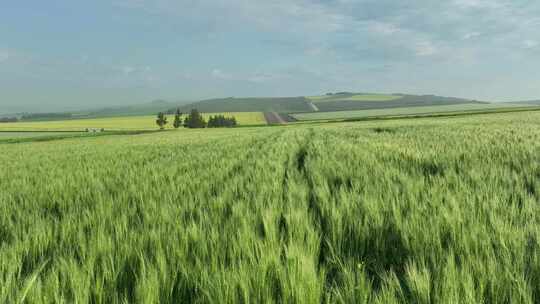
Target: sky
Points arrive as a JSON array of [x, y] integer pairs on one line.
[[64, 54]]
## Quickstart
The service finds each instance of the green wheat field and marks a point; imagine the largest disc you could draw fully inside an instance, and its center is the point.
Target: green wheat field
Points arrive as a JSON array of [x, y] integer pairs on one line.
[[147, 122], [431, 210]]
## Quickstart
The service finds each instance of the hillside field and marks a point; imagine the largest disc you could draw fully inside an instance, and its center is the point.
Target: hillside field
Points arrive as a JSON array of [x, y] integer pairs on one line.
[[120, 123], [440, 210], [457, 108], [324, 103], [529, 102], [254, 104], [4, 135], [281, 105], [10, 137], [353, 97]]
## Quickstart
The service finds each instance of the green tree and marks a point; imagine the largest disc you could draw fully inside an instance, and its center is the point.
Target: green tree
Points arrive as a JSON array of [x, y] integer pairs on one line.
[[177, 119], [195, 120], [161, 120], [211, 122], [220, 121]]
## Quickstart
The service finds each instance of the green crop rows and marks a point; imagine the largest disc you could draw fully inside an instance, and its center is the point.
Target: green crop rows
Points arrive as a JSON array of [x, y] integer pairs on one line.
[[422, 211], [398, 111], [353, 97]]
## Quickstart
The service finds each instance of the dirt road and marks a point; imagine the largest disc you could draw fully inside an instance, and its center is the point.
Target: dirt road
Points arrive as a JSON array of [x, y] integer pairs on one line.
[[273, 118]]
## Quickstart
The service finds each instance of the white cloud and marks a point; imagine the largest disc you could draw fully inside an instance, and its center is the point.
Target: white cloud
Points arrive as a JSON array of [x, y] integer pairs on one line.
[[4, 55], [383, 28], [292, 16], [471, 35], [219, 74], [264, 77], [425, 48], [324, 29], [131, 70], [479, 4], [531, 44], [335, 39], [126, 70], [255, 77]]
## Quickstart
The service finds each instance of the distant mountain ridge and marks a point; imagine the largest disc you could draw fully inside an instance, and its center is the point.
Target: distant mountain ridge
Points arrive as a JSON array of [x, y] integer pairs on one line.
[[149, 108], [254, 104], [130, 110], [527, 102], [330, 102], [342, 101]]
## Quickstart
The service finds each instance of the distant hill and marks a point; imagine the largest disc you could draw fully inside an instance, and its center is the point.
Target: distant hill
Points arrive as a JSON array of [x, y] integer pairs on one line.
[[331, 102], [351, 102], [527, 102], [150, 108], [141, 109], [344, 101], [264, 104]]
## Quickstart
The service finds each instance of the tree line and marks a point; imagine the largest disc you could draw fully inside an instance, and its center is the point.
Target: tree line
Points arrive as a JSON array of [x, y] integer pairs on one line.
[[220, 121], [38, 116], [195, 120], [8, 119]]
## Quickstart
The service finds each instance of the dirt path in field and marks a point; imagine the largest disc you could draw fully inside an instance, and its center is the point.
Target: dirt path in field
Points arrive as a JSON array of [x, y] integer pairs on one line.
[[313, 106], [273, 118]]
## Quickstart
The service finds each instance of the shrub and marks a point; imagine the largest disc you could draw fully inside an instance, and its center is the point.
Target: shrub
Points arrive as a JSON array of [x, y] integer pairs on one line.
[[177, 119], [161, 120], [220, 121], [9, 119], [195, 120]]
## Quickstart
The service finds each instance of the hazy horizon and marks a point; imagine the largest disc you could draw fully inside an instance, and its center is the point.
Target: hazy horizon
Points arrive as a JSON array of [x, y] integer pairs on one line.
[[64, 55]]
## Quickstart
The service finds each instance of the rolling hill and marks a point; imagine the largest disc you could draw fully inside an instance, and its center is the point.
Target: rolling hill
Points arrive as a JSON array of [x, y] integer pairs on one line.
[[527, 102], [325, 103], [283, 106], [255, 104], [409, 111], [371, 102], [150, 108]]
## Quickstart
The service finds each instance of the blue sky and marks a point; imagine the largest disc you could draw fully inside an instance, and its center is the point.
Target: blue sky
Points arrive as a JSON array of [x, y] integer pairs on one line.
[[72, 53]]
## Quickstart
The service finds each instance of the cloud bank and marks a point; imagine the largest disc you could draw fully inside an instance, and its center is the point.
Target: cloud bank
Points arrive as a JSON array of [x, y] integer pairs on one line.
[[482, 49]]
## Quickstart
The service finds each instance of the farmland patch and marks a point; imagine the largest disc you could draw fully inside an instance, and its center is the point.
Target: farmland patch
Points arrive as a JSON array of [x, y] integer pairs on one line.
[[309, 213], [119, 123], [403, 111]]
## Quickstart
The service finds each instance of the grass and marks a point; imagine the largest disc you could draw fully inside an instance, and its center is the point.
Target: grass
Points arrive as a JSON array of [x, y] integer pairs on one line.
[[356, 102], [407, 211], [19, 137], [373, 97], [360, 97], [404, 111], [118, 123], [15, 137], [10, 135]]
